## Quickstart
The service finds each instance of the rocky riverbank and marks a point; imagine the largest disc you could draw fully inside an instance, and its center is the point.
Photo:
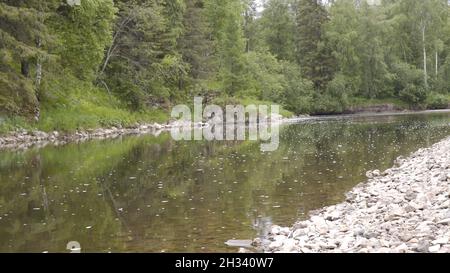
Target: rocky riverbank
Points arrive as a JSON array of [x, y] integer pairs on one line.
[[403, 209], [22, 139]]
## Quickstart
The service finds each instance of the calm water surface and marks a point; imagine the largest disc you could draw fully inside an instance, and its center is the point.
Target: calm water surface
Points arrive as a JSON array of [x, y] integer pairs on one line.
[[152, 194]]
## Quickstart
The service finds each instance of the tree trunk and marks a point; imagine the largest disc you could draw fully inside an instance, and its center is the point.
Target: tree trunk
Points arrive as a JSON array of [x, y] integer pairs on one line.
[[38, 66], [425, 73], [436, 64], [25, 68]]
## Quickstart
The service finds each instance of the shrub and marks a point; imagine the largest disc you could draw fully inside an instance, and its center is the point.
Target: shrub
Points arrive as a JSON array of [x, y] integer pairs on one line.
[[413, 95], [437, 101]]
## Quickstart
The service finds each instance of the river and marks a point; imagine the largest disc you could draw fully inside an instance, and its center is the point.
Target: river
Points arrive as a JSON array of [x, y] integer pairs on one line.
[[154, 194]]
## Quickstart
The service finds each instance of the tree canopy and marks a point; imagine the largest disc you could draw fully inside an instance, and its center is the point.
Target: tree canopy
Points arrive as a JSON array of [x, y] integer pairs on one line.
[[311, 56]]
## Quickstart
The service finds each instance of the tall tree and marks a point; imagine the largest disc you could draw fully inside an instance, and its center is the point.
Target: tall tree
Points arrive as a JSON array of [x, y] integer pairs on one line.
[[375, 76], [195, 44], [278, 26], [418, 26], [343, 35], [142, 65], [312, 53], [226, 22], [83, 33]]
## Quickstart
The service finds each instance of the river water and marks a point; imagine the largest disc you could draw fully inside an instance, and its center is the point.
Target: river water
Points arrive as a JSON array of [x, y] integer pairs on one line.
[[154, 194]]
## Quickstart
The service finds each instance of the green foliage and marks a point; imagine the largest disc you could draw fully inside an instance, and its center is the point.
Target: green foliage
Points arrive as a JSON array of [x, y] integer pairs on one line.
[[225, 18], [312, 52], [414, 95], [10, 124], [22, 35], [141, 66], [298, 92], [83, 34], [277, 29], [437, 101], [265, 78], [194, 43], [326, 105], [17, 96], [406, 74]]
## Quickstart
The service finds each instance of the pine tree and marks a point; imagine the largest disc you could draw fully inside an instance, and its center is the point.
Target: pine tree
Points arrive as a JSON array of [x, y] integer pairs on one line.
[[194, 44], [278, 26], [312, 53]]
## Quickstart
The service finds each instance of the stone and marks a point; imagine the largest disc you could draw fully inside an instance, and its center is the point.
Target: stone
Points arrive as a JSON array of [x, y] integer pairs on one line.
[[275, 245], [434, 249], [289, 245], [358, 232], [239, 243], [403, 248], [333, 216], [370, 234], [422, 247], [444, 222], [299, 232], [409, 209], [285, 231], [280, 238], [406, 237], [275, 230], [441, 241]]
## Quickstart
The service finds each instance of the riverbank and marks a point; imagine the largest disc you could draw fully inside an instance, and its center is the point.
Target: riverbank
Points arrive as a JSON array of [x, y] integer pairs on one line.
[[22, 139], [403, 209]]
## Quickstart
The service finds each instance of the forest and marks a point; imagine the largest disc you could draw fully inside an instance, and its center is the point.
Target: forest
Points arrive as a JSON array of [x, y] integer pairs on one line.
[[71, 64]]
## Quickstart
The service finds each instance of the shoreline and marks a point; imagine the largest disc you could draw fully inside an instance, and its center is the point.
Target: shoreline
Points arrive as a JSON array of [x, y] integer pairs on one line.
[[405, 209], [23, 139]]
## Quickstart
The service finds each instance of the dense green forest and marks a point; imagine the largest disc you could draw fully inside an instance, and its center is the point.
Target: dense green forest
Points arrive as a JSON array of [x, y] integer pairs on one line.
[[68, 64]]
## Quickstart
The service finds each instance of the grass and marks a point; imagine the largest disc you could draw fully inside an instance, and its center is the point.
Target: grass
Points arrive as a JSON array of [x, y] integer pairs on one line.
[[86, 117], [8, 124], [73, 105], [73, 119]]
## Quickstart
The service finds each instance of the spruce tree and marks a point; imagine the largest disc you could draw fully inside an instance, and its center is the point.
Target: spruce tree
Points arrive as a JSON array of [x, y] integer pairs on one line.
[[194, 44], [312, 53]]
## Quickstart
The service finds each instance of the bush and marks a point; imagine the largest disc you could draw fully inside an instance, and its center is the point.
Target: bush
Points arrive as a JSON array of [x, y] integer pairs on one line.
[[413, 95], [405, 76], [265, 79], [327, 105], [437, 101], [335, 98]]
